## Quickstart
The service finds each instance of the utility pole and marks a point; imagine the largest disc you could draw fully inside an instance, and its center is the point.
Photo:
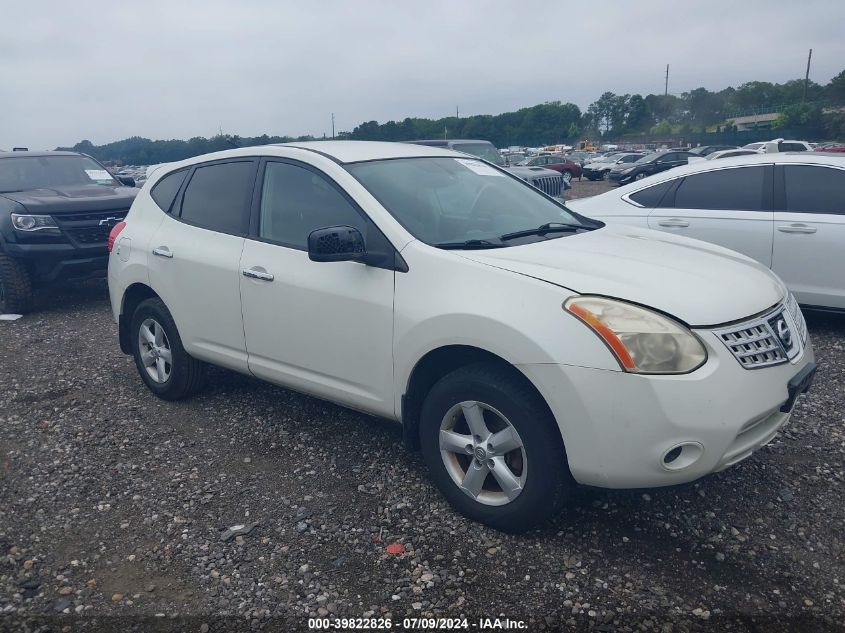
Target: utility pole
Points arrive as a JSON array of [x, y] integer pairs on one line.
[[807, 76], [444, 131], [332, 125], [457, 113], [666, 89]]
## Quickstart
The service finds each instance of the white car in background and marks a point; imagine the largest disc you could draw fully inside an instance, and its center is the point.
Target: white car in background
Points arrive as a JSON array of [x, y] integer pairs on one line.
[[785, 210], [730, 153], [523, 347], [779, 145]]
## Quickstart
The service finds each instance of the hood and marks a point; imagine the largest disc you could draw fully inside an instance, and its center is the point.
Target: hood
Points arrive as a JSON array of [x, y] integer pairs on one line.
[[74, 198], [532, 172], [600, 166], [699, 283]]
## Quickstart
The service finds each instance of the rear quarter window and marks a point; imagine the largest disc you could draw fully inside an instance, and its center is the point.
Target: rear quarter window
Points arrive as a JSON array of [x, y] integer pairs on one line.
[[650, 197], [165, 190]]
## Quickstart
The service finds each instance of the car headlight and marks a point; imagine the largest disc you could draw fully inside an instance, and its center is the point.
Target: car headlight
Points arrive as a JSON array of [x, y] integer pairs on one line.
[[31, 223], [643, 341]]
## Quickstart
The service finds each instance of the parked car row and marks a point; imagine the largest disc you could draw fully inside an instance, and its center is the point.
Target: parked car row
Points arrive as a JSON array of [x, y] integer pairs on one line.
[[546, 180], [599, 169]]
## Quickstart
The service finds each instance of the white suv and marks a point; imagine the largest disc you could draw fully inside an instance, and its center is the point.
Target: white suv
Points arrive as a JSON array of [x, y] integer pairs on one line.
[[522, 346]]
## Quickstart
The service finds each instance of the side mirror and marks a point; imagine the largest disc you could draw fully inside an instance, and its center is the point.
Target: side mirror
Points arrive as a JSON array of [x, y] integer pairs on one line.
[[336, 244], [126, 181]]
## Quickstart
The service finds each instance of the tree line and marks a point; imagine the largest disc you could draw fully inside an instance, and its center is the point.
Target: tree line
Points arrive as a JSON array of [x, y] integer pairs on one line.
[[820, 108]]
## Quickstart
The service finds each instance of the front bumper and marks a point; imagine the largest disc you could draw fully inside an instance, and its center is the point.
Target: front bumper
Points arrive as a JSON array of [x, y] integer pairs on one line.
[[618, 427], [60, 262], [621, 178]]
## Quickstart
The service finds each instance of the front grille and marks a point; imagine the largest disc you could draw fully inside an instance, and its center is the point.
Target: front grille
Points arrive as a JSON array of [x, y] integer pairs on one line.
[[754, 346], [772, 339], [91, 227], [550, 185]]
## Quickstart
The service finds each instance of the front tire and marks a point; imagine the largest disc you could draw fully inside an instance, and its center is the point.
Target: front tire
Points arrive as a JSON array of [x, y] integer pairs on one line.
[[640, 175], [16, 293], [567, 176], [493, 448], [163, 364]]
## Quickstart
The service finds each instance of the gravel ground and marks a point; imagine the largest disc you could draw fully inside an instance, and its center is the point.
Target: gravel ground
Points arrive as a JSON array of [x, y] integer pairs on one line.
[[585, 188], [113, 505]]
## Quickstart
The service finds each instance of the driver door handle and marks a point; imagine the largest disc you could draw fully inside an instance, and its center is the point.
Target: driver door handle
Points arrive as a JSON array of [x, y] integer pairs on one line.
[[163, 251], [674, 222], [798, 227], [255, 273]]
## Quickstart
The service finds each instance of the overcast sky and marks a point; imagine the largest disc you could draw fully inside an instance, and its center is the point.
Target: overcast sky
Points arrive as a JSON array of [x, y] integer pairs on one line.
[[104, 71]]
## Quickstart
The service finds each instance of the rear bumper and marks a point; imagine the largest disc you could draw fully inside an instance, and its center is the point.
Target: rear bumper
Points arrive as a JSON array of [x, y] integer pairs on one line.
[[618, 427], [57, 263]]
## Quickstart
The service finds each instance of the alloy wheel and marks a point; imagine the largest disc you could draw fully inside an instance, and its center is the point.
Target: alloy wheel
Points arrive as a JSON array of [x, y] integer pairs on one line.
[[156, 355], [483, 453]]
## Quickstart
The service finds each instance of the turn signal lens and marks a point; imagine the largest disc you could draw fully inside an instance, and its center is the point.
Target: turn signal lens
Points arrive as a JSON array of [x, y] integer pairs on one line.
[[643, 341]]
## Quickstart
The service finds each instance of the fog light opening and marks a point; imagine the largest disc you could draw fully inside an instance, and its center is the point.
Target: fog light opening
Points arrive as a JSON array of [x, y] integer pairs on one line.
[[682, 456], [672, 455]]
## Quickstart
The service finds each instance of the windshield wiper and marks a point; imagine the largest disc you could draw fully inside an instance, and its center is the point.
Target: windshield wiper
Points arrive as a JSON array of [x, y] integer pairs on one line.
[[549, 227], [468, 245]]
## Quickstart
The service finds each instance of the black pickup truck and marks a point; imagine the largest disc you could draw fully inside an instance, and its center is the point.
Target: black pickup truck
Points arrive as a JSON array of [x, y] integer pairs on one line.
[[56, 212]]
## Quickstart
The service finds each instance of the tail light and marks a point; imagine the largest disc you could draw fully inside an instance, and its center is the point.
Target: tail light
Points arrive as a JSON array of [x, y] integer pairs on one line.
[[114, 233]]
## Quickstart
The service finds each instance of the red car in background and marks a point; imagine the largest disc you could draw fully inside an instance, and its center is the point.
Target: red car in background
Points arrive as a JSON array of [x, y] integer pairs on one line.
[[832, 148], [568, 169]]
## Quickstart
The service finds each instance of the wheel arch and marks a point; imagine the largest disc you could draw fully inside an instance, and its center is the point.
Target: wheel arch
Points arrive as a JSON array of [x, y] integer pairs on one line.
[[132, 297], [436, 364]]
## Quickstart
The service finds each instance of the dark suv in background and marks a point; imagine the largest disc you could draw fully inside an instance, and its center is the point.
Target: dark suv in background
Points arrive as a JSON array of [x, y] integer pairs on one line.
[[648, 165], [548, 181], [56, 212]]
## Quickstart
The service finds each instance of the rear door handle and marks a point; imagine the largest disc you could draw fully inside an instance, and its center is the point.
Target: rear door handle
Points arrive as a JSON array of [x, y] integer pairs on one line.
[[255, 273], [163, 251], [796, 228], [674, 222]]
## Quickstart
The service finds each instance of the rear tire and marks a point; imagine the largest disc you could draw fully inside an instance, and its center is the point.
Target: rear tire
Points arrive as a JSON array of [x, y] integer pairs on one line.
[[16, 294], [163, 364], [511, 491]]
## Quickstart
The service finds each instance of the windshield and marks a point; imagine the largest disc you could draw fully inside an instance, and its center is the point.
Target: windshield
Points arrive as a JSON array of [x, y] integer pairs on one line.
[[482, 150], [455, 200], [25, 173]]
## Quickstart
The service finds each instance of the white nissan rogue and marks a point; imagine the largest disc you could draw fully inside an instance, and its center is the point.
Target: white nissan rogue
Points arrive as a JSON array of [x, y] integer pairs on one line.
[[522, 346]]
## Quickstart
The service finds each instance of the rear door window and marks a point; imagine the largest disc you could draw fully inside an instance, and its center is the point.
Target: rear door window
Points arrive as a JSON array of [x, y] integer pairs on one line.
[[811, 189], [218, 196], [739, 189]]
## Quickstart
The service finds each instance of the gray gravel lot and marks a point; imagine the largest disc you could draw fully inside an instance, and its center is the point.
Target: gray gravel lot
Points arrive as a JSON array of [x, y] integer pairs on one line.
[[112, 505]]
